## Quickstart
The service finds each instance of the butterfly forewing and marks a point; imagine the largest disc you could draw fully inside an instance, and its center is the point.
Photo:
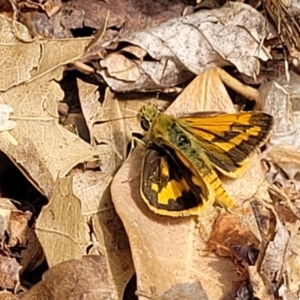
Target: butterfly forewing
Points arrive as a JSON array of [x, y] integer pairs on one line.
[[229, 139]]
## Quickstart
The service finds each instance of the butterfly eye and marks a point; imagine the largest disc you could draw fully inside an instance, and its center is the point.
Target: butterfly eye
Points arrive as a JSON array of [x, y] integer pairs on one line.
[[145, 124], [182, 140]]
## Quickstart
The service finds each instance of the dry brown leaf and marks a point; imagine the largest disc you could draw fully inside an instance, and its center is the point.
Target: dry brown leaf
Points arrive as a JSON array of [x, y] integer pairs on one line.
[[33, 255], [6, 206], [266, 276], [9, 272], [112, 123], [79, 14], [18, 228], [110, 240], [228, 231], [6, 9], [282, 164], [172, 250], [287, 158], [230, 35], [60, 227], [84, 278], [50, 7]]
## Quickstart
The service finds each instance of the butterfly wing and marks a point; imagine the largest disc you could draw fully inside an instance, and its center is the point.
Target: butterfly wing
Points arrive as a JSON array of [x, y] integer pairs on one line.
[[229, 139], [171, 186]]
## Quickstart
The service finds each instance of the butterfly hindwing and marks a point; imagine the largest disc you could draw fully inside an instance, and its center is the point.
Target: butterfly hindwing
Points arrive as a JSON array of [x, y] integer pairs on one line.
[[170, 188]]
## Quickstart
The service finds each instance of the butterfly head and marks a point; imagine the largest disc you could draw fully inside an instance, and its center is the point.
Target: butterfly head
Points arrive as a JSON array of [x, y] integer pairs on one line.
[[146, 115]]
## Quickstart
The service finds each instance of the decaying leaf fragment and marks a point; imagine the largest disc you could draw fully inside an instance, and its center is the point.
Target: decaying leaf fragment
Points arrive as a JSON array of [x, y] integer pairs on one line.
[[282, 163], [9, 272], [15, 234], [266, 276], [205, 39], [170, 246], [19, 228]]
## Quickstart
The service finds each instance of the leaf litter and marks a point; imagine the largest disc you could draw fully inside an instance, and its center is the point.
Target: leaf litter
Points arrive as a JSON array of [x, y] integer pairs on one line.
[[76, 227]]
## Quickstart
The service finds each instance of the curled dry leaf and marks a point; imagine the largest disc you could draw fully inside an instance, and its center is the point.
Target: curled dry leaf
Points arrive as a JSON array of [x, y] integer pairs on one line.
[[50, 7], [205, 39], [266, 276], [229, 233], [259, 246], [285, 196], [84, 278], [172, 251], [280, 98]]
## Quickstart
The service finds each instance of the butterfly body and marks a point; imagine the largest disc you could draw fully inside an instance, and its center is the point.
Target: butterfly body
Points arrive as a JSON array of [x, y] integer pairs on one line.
[[179, 175]]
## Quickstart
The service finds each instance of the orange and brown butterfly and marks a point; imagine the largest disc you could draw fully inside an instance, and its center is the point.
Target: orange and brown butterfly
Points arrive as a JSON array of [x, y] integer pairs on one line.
[[179, 172]]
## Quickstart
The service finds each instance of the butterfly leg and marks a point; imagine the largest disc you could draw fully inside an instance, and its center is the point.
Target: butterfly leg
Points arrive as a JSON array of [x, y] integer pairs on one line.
[[136, 141]]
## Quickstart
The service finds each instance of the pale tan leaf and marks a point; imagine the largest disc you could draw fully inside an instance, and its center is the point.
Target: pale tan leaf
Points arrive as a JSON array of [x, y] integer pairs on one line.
[[60, 227], [44, 148], [172, 250], [92, 188], [267, 276], [27, 61], [40, 147]]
